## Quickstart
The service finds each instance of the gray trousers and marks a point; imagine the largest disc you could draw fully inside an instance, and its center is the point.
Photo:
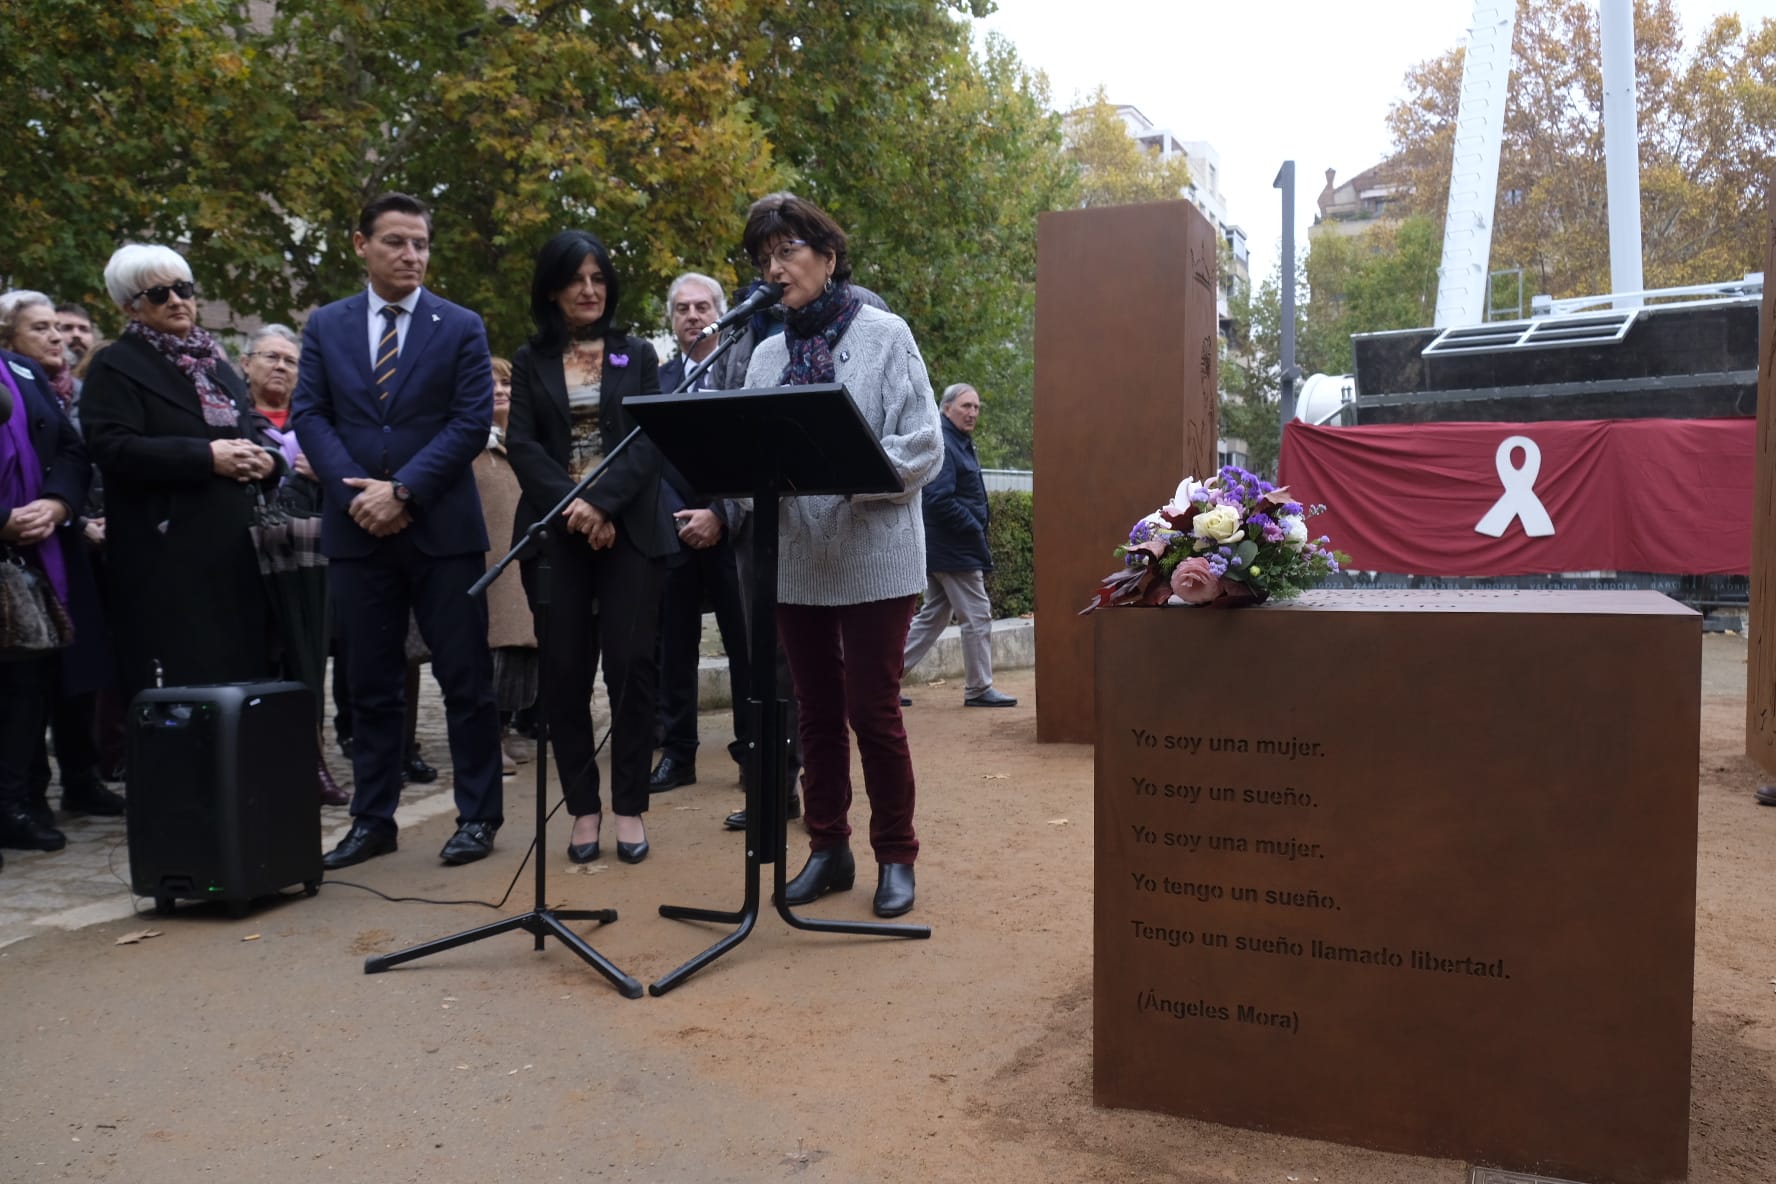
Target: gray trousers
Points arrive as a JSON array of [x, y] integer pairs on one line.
[[962, 594]]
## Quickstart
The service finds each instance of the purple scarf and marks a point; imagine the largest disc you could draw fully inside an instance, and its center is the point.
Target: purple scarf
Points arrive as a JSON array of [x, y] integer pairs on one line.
[[196, 355], [812, 331], [21, 481]]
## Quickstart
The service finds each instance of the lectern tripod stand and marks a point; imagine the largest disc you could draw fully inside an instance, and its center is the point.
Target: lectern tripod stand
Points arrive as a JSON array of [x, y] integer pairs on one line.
[[767, 444], [541, 921]]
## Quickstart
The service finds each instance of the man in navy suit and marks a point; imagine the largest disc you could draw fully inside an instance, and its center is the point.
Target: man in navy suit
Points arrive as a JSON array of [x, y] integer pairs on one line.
[[393, 404]]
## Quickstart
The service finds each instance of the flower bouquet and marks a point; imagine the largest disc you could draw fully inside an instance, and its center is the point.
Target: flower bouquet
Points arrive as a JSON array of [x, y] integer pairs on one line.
[[1229, 541]]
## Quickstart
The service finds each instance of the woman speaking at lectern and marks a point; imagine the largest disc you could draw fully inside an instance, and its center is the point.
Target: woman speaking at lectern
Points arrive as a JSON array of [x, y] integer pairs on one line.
[[849, 568]]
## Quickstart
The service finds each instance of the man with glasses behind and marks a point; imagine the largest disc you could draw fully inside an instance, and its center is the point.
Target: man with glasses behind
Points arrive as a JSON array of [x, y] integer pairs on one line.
[[393, 403]]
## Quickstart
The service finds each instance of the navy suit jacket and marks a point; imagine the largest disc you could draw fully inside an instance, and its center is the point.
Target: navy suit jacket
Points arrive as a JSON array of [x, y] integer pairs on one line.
[[427, 434]]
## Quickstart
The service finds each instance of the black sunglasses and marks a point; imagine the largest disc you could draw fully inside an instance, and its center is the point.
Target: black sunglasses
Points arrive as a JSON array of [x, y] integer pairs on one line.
[[160, 293]]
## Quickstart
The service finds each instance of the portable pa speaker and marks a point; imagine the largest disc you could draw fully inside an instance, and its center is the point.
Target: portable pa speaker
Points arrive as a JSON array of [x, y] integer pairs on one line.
[[221, 793]]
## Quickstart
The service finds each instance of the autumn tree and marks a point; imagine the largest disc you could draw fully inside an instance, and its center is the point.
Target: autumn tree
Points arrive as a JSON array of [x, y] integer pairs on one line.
[[1114, 168], [250, 134], [936, 161], [1707, 127], [106, 104]]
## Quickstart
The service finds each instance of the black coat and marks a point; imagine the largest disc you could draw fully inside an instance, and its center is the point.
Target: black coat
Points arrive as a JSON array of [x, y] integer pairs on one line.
[[539, 437], [956, 508], [181, 564], [86, 665]]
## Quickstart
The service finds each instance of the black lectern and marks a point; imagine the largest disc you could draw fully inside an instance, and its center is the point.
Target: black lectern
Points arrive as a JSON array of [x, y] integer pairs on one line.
[[767, 444]]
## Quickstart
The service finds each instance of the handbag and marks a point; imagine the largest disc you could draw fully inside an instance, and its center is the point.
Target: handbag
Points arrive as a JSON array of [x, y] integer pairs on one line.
[[33, 622]]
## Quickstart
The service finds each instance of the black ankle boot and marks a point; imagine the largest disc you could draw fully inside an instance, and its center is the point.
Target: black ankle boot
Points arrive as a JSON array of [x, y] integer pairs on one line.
[[894, 889], [832, 870]]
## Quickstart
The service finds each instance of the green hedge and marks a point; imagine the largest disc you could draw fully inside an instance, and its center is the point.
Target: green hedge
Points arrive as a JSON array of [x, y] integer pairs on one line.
[[1011, 585]]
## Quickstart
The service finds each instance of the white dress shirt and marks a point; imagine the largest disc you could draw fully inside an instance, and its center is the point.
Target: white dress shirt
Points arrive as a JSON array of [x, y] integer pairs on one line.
[[375, 326]]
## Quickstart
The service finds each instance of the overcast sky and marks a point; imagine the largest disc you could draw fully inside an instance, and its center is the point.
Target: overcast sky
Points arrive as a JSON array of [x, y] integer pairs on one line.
[[1263, 81]]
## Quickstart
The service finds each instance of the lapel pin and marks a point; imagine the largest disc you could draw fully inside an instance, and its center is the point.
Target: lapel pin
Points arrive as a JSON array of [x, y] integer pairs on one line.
[[844, 355], [434, 316]]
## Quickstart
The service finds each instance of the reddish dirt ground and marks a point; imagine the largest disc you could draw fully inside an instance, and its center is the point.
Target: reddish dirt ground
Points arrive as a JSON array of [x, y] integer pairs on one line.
[[259, 1050]]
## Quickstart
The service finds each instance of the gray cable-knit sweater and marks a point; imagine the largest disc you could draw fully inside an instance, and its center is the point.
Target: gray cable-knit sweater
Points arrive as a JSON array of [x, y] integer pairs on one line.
[[835, 550]]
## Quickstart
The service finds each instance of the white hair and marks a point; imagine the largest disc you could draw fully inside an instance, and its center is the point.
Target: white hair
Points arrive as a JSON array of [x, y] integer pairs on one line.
[[133, 265], [696, 277], [283, 332], [14, 303], [954, 392]]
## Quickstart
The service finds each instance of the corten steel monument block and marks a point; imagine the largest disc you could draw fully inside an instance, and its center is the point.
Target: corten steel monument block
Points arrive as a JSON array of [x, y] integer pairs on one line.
[[1127, 351], [1760, 665], [1413, 871]]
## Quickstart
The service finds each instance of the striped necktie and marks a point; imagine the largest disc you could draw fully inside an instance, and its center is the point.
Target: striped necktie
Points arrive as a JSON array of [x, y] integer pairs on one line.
[[388, 348]]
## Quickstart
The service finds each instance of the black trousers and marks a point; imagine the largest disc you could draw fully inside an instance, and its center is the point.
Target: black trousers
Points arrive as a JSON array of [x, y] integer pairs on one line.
[[74, 734], [25, 689], [600, 604], [707, 573], [372, 599]]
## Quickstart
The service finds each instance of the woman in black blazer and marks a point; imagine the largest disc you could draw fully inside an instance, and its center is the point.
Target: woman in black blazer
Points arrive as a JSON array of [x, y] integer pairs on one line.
[[162, 413], [607, 554]]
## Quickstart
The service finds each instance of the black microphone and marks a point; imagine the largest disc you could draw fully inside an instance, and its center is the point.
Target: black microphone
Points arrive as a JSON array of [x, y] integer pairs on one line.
[[763, 297]]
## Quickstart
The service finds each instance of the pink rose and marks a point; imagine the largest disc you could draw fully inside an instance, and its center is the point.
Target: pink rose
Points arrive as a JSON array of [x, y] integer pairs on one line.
[[1194, 583]]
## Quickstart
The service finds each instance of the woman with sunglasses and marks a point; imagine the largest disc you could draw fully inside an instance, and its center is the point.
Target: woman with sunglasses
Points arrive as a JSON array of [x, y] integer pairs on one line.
[[168, 421], [849, 568]]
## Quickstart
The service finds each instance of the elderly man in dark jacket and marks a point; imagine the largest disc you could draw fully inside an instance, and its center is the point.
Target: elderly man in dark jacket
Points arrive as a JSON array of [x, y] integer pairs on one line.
[[956, 555]]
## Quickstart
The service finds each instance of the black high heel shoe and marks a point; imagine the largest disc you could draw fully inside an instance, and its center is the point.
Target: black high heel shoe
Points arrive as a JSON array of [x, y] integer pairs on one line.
[[584, 852], [632, 852]]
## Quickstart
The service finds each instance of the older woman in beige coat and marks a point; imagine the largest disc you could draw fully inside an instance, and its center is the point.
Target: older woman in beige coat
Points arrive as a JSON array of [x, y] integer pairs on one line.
[[511, 630]]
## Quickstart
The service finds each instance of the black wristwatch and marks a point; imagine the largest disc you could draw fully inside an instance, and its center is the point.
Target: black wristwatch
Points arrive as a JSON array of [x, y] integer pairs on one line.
[[402, 493]]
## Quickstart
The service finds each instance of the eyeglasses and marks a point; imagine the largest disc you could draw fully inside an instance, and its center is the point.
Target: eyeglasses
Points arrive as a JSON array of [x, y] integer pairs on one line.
[[281, 361], [783, 253], [160, 293]]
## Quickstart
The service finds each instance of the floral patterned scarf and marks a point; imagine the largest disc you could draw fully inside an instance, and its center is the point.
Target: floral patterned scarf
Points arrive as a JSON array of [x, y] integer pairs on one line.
[[196, 355], [812, 331]]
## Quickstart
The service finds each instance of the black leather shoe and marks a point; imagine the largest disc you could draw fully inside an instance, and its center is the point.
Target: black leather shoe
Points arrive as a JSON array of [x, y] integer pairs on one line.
[[18, 829], [345, 747], [417, 771], [583, 852], [671, 773], [632, 852], [894, 889], [365, 840], [989, 698], [1766, 796], [737, 820], [92, 798], [832, 870], [472, 841], [905, 702]]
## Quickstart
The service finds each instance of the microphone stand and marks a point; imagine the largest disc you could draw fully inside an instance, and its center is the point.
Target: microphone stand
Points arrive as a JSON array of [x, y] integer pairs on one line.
[[542, 921]]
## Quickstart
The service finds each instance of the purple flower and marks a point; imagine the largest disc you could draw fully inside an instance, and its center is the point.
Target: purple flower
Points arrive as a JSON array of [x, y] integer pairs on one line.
[[1142, 532], [1292, 509], [619, 360]]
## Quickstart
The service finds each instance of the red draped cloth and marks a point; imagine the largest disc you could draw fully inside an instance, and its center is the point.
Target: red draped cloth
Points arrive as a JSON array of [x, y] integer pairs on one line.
[[1500, 499]]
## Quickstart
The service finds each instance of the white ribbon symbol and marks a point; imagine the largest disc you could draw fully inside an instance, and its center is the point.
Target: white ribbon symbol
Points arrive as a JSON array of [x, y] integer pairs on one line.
[[1519, 500]]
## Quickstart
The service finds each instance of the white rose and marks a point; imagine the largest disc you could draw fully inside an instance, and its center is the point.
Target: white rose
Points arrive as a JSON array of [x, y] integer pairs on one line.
[[1221, 524], [1294, 532]]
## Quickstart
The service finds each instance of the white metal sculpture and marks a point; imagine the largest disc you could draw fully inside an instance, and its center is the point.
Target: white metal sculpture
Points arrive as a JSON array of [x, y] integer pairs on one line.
[[1473, 181]]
